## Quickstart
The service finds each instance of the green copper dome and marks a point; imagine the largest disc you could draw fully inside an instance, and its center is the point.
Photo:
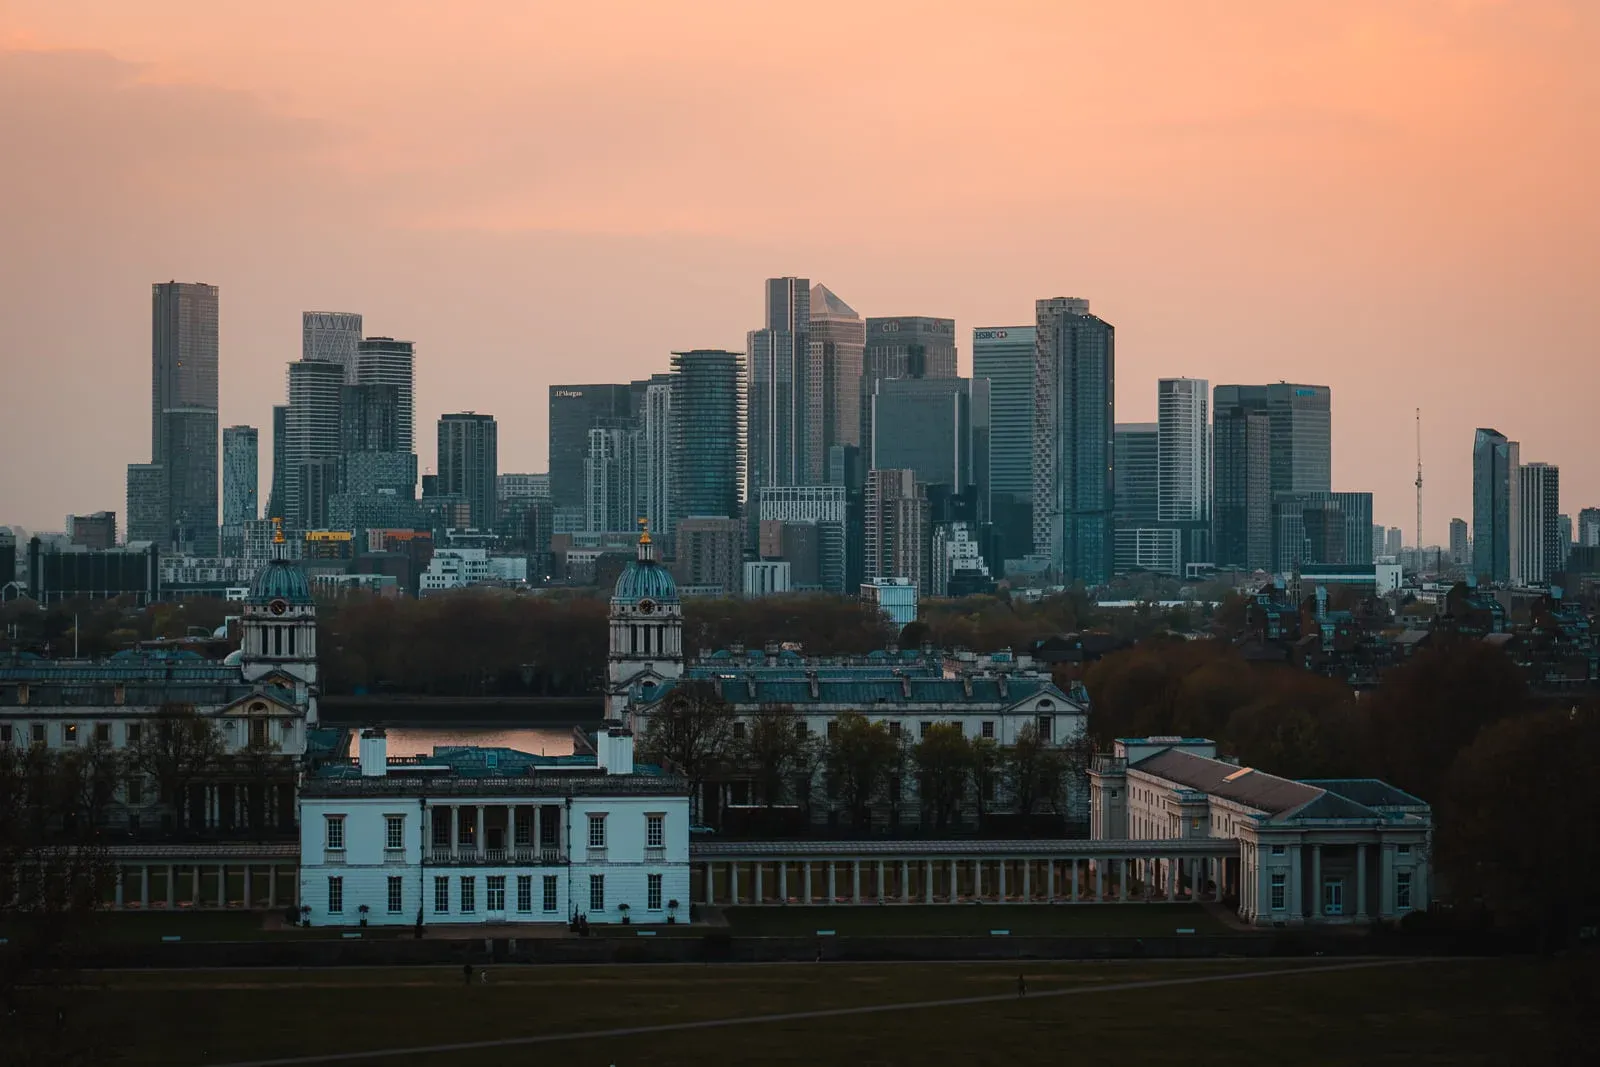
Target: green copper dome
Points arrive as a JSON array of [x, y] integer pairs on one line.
[[280, 579], [646, 580]]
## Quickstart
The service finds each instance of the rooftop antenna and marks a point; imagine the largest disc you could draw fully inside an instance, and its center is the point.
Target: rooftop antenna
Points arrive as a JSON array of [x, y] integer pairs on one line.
[[1419, 489]]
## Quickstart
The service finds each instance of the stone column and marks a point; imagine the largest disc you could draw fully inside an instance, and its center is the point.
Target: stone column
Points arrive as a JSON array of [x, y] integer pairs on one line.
[[144, 887], [808, 881], [927, 882], [455, 830], [783, 881], [1050, 881], [478, 835], [119, 888], [1317, 911], [1027, 881], [1099, 880], [1386, 885], [1122, 881], [733, 882], [905, 882], [955, 884], [222, 885], [1074, 879], [1173, 874], [1361, 881], [833, 884], [194, 888], [511, 830], [1419, 880], [755, 883], [1297, 899], [249, 901], [977, 879], [1002, 887], [272, 886], [880, 882]]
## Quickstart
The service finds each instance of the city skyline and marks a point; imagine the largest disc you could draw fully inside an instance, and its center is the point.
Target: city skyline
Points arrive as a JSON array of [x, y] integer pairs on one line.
[[1220, 226]]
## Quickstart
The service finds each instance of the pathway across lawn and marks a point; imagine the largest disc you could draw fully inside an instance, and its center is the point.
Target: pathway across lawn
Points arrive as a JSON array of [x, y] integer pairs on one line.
[[977, 920]]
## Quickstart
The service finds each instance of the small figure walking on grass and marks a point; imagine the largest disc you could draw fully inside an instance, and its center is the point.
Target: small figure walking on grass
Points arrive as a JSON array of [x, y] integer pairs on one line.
[[1022, 986]]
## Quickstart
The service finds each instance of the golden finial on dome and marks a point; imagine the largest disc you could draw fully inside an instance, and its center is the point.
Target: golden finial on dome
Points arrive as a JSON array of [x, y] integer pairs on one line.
[[277, 531], [644, 531]]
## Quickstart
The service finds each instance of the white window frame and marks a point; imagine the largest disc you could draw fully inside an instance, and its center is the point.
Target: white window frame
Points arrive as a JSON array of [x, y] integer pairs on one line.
[[524, 893], [335, 894], [333, 833], [394, 833], [1332, 887], [550, 894], [441, 895], [652, 893], [494, 888], [397, 894], [597, 830], [597, 892], [469, 895], [1278, 890], [655, 830], [1402, 888]]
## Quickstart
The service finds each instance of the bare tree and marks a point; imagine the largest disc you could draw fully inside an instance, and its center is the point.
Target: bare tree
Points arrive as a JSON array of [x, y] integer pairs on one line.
[[691, 734], [776, 750], [176, 749]]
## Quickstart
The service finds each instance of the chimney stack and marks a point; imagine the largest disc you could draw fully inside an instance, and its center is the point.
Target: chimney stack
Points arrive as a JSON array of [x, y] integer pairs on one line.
[[374, 753]]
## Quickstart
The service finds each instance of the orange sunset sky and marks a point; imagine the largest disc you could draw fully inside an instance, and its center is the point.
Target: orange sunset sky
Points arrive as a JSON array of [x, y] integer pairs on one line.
[[1396, 198]]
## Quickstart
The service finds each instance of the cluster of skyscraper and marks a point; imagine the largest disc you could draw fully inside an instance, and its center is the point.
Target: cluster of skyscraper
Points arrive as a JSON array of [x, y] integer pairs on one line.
[[1517, 525]]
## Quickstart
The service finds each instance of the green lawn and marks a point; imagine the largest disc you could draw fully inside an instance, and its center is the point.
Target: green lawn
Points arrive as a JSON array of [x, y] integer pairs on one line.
[[1453, 1012], [1116, 920], [149, 927]]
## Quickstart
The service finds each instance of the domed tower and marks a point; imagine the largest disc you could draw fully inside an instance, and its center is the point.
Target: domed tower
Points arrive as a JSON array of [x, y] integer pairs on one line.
[[646, 628], [280, 620]]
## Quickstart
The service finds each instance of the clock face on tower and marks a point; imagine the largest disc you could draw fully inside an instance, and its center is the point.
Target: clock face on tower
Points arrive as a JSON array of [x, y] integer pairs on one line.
[[278, 607], [646, 607]]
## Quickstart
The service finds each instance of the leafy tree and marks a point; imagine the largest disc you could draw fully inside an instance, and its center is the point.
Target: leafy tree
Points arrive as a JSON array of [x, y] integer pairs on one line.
[[986, 769], [860, 756], [177, 748], [1033, 769], [943, 758], [1507, 832], [777, 751], [691, 733]]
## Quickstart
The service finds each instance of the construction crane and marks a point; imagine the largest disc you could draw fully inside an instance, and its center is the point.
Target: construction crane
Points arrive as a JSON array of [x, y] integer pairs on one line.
[[1419, 489]]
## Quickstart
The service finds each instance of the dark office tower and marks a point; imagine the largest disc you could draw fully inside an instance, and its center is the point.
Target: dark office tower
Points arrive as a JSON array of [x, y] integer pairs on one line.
[[779, 388], [385, 361], [1300, 420], [707, 432], [574, 411], [1538, 511], [1004, 356], [97, 531], [906, 346], [369, 418], [332, 337], [1242, 483], [1313, 528], [1136, 485], [183, 428], [937, 428], [469, 462], [1460, 544], [241, 479], [146, 507], [1073, 426], [280, 461], [837, 340], [312, 426], [1496, 523], [846, 467]]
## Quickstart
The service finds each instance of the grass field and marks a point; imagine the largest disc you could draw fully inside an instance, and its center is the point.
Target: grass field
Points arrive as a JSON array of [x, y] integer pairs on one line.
[[1021, 920], [1454, 1012]]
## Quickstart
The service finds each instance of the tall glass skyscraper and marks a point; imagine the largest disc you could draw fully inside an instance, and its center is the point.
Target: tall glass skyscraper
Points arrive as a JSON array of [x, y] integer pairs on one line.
[[183, 426], [1137, 482], [1300, 421], [1074, 422], [574, 411], [1242, 493], [385, 361], [780, 387], [937, 428], [1004, 356], [1496, 525], [836, 343], [904, 346], [707, 434], [313, 427], [1540, 541], [277, 502], [1183, 458], [469, 461], [332, 337]]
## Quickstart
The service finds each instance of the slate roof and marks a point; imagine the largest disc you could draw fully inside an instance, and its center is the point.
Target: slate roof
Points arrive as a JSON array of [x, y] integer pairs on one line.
[[1265, 792], [1369, 792], [866, 688]]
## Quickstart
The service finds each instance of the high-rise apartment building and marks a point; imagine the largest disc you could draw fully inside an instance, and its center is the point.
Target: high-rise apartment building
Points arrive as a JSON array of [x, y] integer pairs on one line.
[[277, 502], [710, 555], [1183, 461], [332, 337], [1460, 544], [522, 487], [654, 467], [146, 503], [369, 418], [1004, 355], [707, 434], [836, 343], [1073, 427], [608, 478], [1538, 511], [386, 361], [897, 532], [574, 411], [313, 428], [1394, 540], [937, 428], [904, 346], [780, 387], [241, 485], [1589, 527], [97, 532], [1136, 485], [1242, 486], [1496, 526], [183, 433], [469, 462]]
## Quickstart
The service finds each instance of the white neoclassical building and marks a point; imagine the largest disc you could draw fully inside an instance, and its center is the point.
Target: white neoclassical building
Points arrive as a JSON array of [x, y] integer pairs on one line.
[[492, 836], [1334, 851]]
